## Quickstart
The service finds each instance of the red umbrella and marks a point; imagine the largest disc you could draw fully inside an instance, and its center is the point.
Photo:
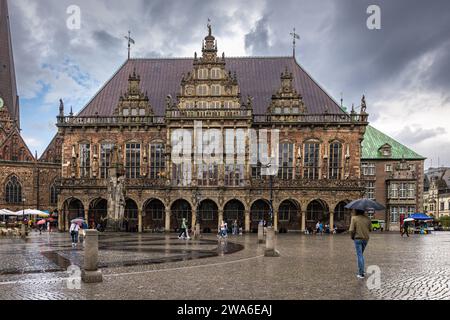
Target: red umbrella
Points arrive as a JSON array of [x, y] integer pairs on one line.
[[41, 222]]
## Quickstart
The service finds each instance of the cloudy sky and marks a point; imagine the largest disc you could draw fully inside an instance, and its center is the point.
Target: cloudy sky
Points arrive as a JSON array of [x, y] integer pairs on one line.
[[403, 69]]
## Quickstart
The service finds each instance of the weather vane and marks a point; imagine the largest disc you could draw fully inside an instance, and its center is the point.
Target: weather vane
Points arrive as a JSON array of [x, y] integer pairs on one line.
[[130, 42], [295, 37]]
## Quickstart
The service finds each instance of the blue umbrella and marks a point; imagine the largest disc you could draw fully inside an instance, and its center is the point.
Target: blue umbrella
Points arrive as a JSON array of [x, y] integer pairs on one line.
[[364, 205]]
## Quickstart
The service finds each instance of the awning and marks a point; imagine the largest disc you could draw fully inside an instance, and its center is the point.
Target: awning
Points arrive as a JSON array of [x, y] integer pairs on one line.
[[421, 217]]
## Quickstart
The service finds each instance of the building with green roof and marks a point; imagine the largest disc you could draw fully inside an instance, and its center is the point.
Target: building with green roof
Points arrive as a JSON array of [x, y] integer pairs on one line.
[[394, 176]]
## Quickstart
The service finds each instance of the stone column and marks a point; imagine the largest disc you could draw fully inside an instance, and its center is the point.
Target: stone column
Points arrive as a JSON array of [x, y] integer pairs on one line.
[[167, 227], [66, 220], [220, 218], [303, 215], [331, 222], [275, 220], [140, 224], [194, 218], [90, 273], [86, 215], [247, 221]]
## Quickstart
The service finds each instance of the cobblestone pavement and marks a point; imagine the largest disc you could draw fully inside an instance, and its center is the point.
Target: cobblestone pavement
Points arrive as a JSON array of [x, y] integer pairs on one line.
[[163, 267]]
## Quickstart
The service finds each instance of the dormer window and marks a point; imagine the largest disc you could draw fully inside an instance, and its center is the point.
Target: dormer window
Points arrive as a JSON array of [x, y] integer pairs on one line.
[[216, 73], [202, 90], [203, 74], [386, 151], [215, 90]]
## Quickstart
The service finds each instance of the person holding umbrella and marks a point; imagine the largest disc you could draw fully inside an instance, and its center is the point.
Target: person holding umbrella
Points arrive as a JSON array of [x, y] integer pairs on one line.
[[405, 228], [360, 228]]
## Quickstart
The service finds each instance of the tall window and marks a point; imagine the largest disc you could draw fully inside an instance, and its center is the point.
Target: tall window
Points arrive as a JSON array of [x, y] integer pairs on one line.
[[335, 161], [13, 191], [393, 192], [286, 170], [311, 161], [395, 217], [105, 159], [133, 160], [85, 160], [157, 160], [368, 169], [412, 191], [370, 190], [403, 191], [53, 195]]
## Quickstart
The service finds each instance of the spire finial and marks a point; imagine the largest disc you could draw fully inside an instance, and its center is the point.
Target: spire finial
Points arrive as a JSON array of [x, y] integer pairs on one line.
[[295, 37], [130, 42]]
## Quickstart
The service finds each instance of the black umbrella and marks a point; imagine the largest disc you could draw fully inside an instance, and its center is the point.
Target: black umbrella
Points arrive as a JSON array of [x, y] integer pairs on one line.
[[364, 205]]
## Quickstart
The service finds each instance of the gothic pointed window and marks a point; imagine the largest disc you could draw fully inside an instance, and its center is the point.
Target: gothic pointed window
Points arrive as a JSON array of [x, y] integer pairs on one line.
[[286, 170], [133, 160], [13, 191], [157, 160], [106, 150], [53, 195], [311, 161], [335, 161], [85, 160]]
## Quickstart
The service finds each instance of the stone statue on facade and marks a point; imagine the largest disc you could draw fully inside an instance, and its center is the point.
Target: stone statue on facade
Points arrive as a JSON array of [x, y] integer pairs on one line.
[[116, 194], [95, 167]]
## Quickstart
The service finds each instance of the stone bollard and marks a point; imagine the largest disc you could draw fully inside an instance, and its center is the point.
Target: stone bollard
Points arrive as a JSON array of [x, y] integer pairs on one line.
[[270, 244], [260, 233], [90, 273], [197, 233], [23, 231]]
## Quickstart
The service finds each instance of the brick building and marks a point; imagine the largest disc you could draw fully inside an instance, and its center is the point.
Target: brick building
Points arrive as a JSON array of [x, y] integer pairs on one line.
[[117, 154], [25, 181], [394, 176]]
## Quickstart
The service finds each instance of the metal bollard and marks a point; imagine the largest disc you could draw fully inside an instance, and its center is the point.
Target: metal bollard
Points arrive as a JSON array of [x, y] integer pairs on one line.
[[270, 244], [90, 273], [260, 233]]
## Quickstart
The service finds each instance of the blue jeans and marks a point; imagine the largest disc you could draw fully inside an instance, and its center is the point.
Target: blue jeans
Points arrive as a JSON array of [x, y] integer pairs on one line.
[[360, 246]]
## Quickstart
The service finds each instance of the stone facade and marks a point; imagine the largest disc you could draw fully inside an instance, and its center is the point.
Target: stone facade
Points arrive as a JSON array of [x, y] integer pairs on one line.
[[319, 156]]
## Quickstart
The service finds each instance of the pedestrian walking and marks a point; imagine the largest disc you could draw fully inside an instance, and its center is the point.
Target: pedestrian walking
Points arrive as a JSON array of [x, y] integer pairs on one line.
[[74, 229], [235, 228], [183, 234], [360, 229], [223, 230], [405, 229]]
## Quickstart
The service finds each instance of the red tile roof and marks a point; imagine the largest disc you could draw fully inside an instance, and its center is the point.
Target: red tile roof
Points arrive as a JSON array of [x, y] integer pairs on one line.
[[258, 77]]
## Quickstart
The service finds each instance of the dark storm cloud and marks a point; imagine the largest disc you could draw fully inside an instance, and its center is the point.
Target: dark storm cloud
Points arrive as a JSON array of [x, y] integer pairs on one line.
[[416, 134], [257, 41], [105, 40]]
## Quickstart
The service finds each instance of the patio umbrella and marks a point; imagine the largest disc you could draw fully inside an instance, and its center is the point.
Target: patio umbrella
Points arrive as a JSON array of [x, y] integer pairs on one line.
[[364, 205]]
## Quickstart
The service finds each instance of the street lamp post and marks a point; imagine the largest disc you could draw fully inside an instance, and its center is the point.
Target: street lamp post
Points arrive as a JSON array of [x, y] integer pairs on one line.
[[270, 237]]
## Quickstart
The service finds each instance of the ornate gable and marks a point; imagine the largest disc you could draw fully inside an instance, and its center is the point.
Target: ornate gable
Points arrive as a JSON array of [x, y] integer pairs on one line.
[[53, 152], [287, 101], [209, 85], [134, 102]]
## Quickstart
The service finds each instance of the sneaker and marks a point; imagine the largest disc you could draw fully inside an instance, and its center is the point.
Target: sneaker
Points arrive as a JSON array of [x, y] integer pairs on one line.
[[360, 276]]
